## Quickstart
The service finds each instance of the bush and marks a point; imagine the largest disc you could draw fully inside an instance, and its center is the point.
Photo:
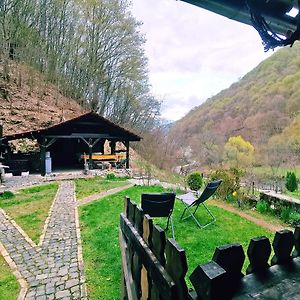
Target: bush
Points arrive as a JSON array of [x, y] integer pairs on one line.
[[294, 218], [291, 182], [285, 214], [110, 176], [194, 181], [262, 206], [230, 198], [6, 195], [230, 181]]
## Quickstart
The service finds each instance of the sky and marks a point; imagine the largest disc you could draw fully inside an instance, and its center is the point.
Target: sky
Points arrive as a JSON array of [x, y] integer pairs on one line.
[[193, 53]]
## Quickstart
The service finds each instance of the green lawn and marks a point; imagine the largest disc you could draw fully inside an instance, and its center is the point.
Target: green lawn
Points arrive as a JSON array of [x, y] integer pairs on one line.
[[100, 226], [281, 171], [295, 194], [30, 207], [97, 184], [9, 286]]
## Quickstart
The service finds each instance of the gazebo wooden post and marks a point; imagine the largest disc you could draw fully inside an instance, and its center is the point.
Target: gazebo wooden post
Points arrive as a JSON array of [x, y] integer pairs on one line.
[[112, 147], [127, 154], [90, 153], [42, 143]]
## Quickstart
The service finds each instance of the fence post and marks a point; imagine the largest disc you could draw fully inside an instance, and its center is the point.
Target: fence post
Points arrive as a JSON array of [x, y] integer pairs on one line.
[[176, 266], [147, 236], [209, 281], [158, 244], [259, 251], [283, 244], [231, 259], [296, 252], [136, 262]]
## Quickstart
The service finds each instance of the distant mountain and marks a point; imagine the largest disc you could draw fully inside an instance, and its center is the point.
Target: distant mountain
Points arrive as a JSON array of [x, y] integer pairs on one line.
[[264, 103]]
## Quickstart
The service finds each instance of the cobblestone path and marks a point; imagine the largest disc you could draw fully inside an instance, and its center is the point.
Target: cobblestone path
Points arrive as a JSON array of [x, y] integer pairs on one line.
[[53, 270]]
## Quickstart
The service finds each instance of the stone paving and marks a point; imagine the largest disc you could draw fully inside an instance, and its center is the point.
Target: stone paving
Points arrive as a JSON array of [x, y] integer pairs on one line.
[[54, 269]]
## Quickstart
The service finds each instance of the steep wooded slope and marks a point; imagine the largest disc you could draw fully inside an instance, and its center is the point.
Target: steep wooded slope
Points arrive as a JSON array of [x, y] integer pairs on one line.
[[28, 101], [262, 104]]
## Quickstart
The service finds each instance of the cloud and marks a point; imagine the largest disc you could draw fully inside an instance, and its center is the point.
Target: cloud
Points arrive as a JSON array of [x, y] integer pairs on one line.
[[181, 92], [193, 53]]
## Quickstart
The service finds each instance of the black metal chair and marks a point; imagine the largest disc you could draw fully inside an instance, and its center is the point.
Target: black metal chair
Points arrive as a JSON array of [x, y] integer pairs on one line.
[[159, 205], [190, 200]]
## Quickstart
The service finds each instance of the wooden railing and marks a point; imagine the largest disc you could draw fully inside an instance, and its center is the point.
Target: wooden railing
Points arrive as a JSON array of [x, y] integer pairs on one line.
[[154, 267]]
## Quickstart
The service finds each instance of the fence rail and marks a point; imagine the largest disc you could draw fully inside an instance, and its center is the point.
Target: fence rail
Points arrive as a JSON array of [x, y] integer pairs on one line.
[[154, 267]]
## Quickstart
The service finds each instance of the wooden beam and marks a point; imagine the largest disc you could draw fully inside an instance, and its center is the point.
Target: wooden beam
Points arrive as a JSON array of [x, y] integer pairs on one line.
[[127, 154], [42, 156], [238, 11], [78, 136]]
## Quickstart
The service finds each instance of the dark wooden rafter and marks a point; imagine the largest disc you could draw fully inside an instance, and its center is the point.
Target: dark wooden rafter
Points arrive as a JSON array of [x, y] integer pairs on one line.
[[89, 125], [238, 10], [42, 143], [126, 143], [272, 20]]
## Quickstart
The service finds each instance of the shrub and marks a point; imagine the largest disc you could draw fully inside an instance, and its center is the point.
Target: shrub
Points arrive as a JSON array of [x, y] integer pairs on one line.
[[285, 214], [230, 181], [194, 181], [291, 182], [262, 206], [6, 195], [294, 218], [230, 198], [110, 176]]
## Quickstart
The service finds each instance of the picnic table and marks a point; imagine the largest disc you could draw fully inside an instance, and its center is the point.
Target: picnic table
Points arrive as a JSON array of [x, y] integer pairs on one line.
[[104, 157]]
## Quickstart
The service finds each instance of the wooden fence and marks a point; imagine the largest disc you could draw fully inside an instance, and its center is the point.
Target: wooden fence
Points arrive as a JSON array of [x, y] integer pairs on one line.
[[155, 268]]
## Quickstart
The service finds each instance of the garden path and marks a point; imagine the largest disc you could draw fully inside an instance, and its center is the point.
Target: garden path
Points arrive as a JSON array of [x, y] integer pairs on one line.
[[260, 222], [54, 269], [103, 194]]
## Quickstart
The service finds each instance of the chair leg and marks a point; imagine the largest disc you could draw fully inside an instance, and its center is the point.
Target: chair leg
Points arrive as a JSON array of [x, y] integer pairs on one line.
[[172, 227], [168, 223], [214, 218], [192, 214], [181, 218], [170, 220]]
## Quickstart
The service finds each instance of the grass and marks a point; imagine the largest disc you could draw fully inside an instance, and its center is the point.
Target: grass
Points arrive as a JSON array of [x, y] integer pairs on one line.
[[97, 184], [281, 171], [30, 207], [295, 194], [100, 227], [9, 286]]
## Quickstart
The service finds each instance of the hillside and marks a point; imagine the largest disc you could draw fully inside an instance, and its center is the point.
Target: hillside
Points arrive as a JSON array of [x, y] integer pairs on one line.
[[263, 104], [28, 101]]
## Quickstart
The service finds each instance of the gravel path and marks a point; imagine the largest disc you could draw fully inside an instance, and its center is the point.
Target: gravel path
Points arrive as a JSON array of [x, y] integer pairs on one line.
[[53, 270], [258, 221]]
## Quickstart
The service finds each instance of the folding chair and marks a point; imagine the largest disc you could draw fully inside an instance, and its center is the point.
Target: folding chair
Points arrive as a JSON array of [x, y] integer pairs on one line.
[[189, 200], [159, 205]]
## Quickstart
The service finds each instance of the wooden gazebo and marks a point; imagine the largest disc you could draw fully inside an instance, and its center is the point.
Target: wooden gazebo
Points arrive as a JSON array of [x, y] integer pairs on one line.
[[68, 140]]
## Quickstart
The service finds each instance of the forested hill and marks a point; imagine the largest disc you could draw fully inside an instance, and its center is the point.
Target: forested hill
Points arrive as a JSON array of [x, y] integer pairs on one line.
[[265, 103], [92, 51]]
